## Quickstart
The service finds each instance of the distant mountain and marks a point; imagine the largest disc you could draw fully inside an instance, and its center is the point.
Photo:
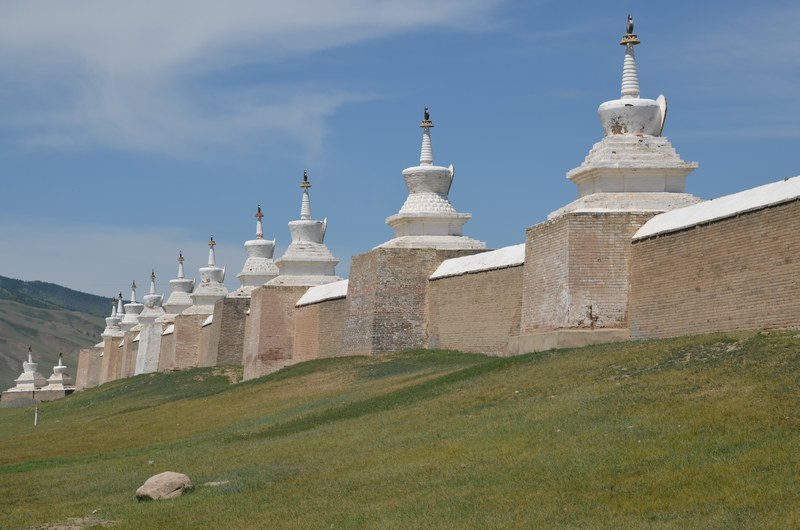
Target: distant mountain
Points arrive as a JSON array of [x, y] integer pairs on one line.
[[52, 296], [49, 318]]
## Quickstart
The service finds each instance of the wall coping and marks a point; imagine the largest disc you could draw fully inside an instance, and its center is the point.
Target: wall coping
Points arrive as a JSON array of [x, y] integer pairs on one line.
[[484, 261], [721, 208], [321, 293]]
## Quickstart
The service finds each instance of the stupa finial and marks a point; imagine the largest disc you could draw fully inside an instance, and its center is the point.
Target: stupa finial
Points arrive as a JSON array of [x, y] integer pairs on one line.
[[630, 76], [426, 153], [212, 261], [114, 306], [259, 225], [120, 310], [152, 281], [60, 358], [181, 259], [133, 292], [30, 354], [305, 206]]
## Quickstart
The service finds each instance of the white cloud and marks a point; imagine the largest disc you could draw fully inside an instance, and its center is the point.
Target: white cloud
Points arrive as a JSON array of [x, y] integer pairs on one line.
[[131, 75]]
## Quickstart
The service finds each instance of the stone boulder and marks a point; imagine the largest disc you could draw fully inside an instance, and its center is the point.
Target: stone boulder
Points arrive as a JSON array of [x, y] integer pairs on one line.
[[166, 485]]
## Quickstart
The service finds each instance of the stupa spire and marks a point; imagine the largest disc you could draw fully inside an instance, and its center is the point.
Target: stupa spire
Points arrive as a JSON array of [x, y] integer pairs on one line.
[[30, 355], [133, 292], [60, 359], [426, 153], [630, 76], [305, 206], [120, 310], [259, 225], [212, 260], [181, 259], [152, 281], [113, 307]]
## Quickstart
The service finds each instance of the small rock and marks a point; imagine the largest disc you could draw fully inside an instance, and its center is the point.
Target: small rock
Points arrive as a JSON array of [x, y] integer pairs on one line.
[[166, 485], [217, 483]]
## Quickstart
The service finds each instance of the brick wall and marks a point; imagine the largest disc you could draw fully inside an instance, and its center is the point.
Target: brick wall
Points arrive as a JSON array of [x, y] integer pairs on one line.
[[88, 372], [386, 299], [109, 366], [166, 355], [477, 312], [576, 271], [187, 341], [226, 338], [737, 273], [270, 329], [318, 330], [128, 354]]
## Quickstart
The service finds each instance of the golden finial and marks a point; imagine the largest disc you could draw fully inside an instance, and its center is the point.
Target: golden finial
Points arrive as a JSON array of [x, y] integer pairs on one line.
[[211, 242], [259, 215], [133, 285], [426, 119], [152, 275], [629, 37], [306, 184], [181, 259]]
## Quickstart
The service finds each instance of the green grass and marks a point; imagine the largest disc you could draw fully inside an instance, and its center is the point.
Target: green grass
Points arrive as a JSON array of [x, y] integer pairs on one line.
[[697, 432]]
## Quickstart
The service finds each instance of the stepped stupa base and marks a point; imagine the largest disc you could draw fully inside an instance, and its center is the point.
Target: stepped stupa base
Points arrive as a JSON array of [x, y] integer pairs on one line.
[[655, 202], [435, 242]]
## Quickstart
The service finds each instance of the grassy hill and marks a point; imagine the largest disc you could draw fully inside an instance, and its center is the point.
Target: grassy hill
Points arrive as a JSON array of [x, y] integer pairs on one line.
[[49, 318], [47, 331], [697, 432], [51, 296]]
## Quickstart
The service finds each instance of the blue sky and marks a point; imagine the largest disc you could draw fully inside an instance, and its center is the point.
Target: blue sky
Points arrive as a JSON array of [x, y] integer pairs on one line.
[[131, 130]]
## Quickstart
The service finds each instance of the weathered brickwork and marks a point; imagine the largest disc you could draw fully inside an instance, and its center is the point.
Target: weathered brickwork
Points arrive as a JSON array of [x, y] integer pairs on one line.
[[318, 330], [270, 329], [736, 273], [166, 357], [88, 372], [576, 271], [478, 312], [203, 353], [110, 365], [128, 354], [386, 299], [226, 338], [187, 341]]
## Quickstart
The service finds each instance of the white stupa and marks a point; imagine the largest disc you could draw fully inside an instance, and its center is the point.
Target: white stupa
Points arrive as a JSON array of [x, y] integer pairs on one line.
[[427, 219], [179, 299], [150, 333], [60, 380], [307, 260], [30, 379], [211, 287], [113, 328], [259, 268], [633, 168], [132, 311]]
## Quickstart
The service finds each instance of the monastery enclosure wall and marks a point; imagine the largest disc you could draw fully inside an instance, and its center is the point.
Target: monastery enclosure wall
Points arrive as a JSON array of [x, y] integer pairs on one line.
[[575, 280], [741, 272], [226, 336], [318, 330], [476, 312], [270, 329], [387, 299]]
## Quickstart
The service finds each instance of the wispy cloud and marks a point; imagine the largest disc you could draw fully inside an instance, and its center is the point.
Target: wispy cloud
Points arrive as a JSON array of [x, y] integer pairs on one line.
[[133, 75]]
